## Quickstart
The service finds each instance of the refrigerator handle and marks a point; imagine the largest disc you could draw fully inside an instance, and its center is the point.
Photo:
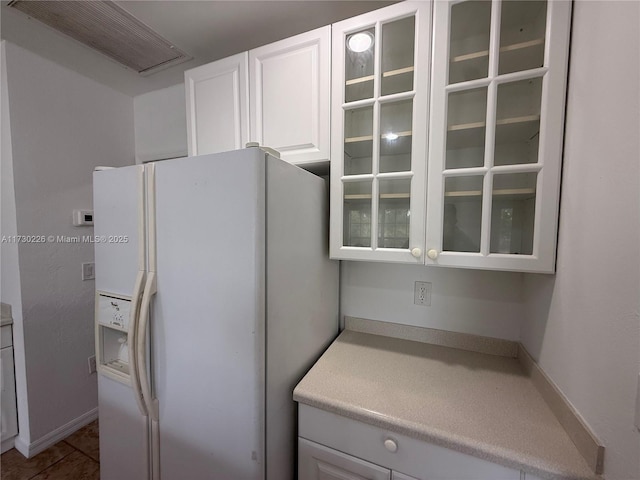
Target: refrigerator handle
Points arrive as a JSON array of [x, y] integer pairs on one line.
[[133, 326], [141, 346]]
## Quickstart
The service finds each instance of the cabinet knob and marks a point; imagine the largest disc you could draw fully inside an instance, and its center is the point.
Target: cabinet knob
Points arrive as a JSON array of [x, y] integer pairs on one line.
[[432, 254], [391, 445], [416, 252]]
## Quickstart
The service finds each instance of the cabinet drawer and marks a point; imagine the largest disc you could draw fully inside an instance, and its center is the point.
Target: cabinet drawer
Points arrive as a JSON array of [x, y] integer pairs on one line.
[[6, 336], [316, 462], [412, 457]]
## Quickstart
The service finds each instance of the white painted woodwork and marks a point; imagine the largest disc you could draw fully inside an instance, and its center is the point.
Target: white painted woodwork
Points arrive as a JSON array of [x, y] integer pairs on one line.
[[416, 458], [551, 128], [509, 57], [419, 95], [290, 96], [317, 462], [9, 411], [217, 98]]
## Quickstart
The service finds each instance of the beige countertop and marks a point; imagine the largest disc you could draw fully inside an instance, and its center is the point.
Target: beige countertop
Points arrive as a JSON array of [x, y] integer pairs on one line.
[[482, 405]]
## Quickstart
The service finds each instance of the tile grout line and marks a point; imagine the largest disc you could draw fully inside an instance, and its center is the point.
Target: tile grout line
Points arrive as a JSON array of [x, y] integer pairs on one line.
[[56, 462]]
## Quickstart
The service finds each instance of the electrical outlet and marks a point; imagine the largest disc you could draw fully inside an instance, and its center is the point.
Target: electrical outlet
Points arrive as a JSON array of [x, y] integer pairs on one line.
[[88, 271], [92, 364], [422, 294]]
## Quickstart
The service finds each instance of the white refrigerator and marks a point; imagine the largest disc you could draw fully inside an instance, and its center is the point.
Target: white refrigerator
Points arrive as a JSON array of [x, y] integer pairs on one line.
[[214, 296]]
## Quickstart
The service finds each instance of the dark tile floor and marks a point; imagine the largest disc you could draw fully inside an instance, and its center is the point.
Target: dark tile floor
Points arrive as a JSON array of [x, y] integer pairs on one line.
[[74, 458]]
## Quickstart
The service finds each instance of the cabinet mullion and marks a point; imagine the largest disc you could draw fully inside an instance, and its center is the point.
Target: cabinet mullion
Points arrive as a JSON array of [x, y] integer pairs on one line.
[[374, 213], [490, 127], [494, 39]]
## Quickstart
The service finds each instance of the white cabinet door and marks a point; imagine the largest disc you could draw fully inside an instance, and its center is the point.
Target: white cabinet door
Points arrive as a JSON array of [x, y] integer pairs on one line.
[[9, 412], [379, 126], [317, 462], [290, 96], [217, 98], [496, 129]]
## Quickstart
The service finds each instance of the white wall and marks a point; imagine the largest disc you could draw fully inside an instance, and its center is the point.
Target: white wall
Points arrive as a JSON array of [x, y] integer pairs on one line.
[[583, 325], [160, 119], [469, 301], [9, 263], [62, 125]]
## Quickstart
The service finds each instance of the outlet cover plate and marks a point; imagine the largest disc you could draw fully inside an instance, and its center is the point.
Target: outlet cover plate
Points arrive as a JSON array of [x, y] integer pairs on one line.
[[422, 294], [88, 271]]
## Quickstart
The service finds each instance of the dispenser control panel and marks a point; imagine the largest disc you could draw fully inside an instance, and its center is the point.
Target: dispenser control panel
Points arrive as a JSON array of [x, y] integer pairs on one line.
[[113, 311]]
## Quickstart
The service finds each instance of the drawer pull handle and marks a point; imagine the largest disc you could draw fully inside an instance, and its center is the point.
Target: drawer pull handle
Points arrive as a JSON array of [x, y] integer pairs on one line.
[[391, 445]]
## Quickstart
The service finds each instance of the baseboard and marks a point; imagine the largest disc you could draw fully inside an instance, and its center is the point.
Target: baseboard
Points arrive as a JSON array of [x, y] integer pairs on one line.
[[8, 443], [31, 449]]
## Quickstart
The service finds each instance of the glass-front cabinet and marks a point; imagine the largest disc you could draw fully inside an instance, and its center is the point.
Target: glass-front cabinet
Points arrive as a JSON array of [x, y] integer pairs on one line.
[[449, 153], [495, 135], [380, 75]]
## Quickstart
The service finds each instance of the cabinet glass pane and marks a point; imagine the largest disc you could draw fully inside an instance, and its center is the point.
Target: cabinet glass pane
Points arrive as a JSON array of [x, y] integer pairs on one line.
[[357, 214], [359, 60], [518, 122], [358, 140], [393, 213], [522, 34], [397, 56], [462, 214], [469, 47], [395, 136], [466, 121], [513, 213]]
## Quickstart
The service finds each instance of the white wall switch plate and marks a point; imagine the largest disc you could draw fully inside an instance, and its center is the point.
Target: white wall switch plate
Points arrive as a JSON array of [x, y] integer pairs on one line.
[[92, 364], [422, 294], [88, 271]]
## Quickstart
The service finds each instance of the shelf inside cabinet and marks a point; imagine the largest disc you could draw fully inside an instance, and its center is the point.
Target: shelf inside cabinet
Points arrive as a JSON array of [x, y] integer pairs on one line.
[[514, 57], [507, 192], [390, 73], [507, 48], [512, 130], [368, 138], [384, 196], [359, 147]]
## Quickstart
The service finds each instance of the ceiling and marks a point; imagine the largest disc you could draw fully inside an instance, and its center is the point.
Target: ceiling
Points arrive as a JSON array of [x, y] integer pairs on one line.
[[206, 30]]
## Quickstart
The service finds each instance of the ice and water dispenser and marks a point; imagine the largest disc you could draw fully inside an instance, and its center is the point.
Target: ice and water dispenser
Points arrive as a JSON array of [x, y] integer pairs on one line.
[[112, 318]]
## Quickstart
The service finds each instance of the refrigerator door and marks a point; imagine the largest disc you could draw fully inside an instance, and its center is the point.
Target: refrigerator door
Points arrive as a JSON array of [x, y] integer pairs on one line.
[[124, 437], [208, 316], [118, 239], [119, 256]]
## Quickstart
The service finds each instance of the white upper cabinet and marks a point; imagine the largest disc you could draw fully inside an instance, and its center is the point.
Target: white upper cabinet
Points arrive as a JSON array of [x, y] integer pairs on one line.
[[290, 96], [217, 96], [379, 129], [486, 194], [496, 130], [277, 95]]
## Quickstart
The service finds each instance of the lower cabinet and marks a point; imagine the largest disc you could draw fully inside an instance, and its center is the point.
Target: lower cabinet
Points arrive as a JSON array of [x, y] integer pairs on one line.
[[332, 447], [317, 462], [9, 420]]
